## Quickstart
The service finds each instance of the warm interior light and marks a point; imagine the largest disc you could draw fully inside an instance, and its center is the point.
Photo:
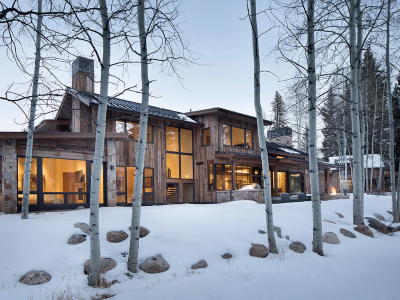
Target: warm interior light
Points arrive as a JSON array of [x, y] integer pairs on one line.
[[333, 191], [278, 156]]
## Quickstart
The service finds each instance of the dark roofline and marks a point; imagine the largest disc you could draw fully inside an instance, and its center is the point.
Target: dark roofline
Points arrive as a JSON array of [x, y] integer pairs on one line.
[[79, 95], [225, 111], [61, 135]]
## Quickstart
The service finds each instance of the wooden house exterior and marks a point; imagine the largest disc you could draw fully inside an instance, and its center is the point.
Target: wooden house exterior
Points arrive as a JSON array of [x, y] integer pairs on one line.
[[189, 157]]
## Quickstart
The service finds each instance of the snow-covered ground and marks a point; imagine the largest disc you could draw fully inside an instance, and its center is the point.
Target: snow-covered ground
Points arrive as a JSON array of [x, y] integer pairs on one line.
[[360, 268]]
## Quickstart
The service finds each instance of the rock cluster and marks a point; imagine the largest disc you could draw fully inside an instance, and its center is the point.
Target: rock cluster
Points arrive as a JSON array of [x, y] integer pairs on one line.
[[297, 247], [116, 236], [330, 238], [377, 225], [347, 233], [35, 278], [107, 264], [154, 264], [258, 250], [363, 229], [76, 239], [200, 265]]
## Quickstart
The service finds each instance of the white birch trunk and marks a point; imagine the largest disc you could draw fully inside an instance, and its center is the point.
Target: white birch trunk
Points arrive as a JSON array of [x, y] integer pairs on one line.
[[355, 121], [345, 152], [32, 115], [312, 117], [373, 133], [380, 150], [94, 222], [260, 129], [360, 99], [391, 123], [141, 150]]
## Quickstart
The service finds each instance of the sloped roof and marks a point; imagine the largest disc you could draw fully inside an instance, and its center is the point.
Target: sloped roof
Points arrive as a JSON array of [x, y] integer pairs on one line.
[[276, 147], [370, 161], [134, 107]]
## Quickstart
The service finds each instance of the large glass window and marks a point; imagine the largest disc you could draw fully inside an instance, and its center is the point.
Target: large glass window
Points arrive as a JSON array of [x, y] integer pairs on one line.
[[126, 182], [179, 157], [210, 177], [206, 137], [172, 139], [295, 183], [172, 165], [282, 188], [172, 193], [219, 177], [237, 137], [132, 128], [33, 182]]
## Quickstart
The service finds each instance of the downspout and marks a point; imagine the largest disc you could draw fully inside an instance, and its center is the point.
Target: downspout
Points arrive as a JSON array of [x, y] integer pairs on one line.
[[219, 136], [232, 162]]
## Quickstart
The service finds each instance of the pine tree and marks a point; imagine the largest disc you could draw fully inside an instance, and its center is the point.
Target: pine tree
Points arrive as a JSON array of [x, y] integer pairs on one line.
[[329, 114], [279, 112], [304, 140]]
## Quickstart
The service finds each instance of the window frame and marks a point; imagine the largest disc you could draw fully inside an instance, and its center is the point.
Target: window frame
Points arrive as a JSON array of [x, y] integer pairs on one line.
[[65, 205], [125, 131], [245, 130], [144, 193], [180, 153], [202, 137]]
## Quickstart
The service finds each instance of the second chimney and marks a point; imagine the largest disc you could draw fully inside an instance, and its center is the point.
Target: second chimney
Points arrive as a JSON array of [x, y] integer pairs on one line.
[[83, 74], [282, 136]]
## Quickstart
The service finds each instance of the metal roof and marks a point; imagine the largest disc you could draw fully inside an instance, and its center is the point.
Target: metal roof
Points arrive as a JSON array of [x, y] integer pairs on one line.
[[136, 107], [276, 147]]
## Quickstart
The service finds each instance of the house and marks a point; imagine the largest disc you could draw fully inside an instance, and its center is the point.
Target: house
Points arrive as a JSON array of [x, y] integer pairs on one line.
[[373, 162], [189, 157]]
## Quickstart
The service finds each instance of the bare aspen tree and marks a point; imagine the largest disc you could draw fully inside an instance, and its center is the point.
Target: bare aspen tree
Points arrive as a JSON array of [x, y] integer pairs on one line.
[[312, 115], [94, 222], [141, 150], [358, 217], [391, 121], [260, 128], [32, 115]]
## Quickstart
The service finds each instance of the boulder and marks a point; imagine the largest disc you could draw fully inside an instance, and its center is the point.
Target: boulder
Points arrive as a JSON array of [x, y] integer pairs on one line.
[[390, 212], [297, 247], [347, 233], [227, 256], [379, 217], [258, 250], [364, 229], [76, 239], [143, 231], [329, 221], [339, 215], [116, 236], [83, 226], [35, 278], [80, 207], [287, 237], [107, 264], [262, 232], [377, 225], [330, 238], [200, 265], [278, 231], [154, 264]]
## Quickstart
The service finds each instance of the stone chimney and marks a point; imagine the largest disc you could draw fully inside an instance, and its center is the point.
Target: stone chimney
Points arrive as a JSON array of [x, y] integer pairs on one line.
[[282, 136], [83, 74]]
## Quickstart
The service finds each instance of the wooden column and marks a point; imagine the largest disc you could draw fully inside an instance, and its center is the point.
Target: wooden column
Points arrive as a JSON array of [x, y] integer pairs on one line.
[[275, 183], [326, 182]]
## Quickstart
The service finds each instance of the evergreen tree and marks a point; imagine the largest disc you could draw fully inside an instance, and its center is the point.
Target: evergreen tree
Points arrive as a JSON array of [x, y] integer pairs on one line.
[[279, 112], [305, 140], [329, 113]]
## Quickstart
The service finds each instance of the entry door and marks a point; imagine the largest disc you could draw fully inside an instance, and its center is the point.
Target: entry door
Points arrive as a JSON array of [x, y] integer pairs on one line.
[[172, 193]]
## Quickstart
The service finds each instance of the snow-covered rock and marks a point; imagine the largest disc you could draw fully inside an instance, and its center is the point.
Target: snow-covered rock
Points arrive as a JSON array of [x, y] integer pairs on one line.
[[364, 229], [107, 264], [83, 226], [116, 236], [330, 238], [297, 247], [258, 250], [154, 264], [377, 225], [76, 239], [200, 265], [35, 278], [347, 233]]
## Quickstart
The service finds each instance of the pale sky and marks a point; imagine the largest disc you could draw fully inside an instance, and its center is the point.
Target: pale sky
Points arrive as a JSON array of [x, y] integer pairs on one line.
[[224, 77]]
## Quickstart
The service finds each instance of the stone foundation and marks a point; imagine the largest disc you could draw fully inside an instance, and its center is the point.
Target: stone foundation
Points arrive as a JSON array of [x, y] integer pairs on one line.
[[111, 173], [254, 195], [9, 197]]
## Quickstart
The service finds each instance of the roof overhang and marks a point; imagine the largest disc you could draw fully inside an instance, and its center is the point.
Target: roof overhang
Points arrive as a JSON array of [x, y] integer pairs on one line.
[[224, 112], [61, 135], [47, 125]]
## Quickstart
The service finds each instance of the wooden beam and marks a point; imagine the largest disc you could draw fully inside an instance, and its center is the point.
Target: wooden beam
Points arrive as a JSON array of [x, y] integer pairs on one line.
[[61, 135]]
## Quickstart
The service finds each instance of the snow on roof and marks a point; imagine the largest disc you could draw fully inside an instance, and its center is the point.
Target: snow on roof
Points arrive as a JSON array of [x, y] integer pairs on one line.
[[289, 151], [370, 160]]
